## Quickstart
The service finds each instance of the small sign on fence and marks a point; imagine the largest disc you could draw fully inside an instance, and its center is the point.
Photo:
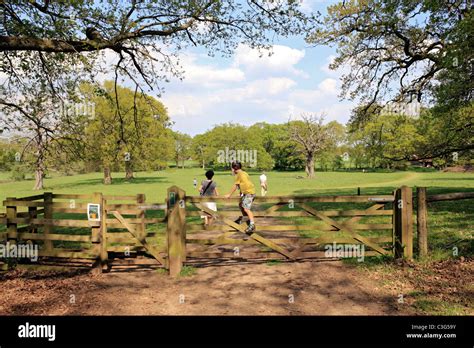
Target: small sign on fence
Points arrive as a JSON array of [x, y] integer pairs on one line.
[[93, 212]]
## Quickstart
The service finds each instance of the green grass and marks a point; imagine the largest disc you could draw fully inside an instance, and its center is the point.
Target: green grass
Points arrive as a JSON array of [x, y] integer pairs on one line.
[[187, 271], [438, 307], [273, 262], [155, 184]]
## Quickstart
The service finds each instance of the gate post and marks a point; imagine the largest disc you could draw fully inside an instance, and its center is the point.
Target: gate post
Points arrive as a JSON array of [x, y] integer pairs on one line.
[[48, 215], [422, 217], [176, 230], [403, 222], [12, 225], [99, 236]]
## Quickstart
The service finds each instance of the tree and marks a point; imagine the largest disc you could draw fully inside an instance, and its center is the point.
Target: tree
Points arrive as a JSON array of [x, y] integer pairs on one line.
[[387, 140], [201, 150], [398, 49], [47, 129], [144, 142], [312, 137], [228, 142], [182, 149]]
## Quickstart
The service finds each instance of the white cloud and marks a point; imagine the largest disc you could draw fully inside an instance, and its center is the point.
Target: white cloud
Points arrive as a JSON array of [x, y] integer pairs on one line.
[[259, 89], [329, 86], [326, 89], [208, 75], [184, 105], [282, 60]]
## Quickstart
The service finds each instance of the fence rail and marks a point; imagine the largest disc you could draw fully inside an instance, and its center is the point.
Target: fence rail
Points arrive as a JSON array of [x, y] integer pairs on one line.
[[422, 213], [288, 227]]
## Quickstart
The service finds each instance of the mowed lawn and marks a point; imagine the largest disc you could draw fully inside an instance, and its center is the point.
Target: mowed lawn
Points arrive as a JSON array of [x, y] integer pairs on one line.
[[449, 222], [155, 184]]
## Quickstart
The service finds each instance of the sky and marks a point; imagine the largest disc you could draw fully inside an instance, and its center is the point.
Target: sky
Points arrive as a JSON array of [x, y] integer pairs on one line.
[[246, 88]]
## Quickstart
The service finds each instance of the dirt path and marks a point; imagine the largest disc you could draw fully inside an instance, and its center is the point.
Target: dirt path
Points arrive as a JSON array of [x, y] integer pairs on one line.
[[304, 288]]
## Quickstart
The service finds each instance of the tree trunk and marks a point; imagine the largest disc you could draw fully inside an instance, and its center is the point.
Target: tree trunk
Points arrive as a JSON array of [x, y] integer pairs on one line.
[[203, 164], [107, 176], [128, 171], [309, 167], [39, 175]]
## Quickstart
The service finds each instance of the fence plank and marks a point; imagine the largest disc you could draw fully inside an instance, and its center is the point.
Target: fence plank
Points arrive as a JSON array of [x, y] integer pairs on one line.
[[54, 236], [72, 196], [85, 254], [301, 213], [57, 222], [450, 196], [18, 203], [31, 198], [296, 199]]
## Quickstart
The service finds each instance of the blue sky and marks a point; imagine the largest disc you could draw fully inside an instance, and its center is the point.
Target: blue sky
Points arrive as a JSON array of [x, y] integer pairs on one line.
[[246, 89]]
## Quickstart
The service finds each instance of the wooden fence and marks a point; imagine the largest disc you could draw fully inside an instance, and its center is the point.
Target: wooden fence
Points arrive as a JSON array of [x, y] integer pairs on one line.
[[423, 199], [58, 224], [278, 236], [288, 227]]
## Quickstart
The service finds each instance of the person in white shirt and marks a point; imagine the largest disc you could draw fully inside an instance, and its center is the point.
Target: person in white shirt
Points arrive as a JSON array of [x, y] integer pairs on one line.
[[263, 184]]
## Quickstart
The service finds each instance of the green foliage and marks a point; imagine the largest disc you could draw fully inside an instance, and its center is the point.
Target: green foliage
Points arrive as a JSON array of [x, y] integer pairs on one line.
[[386, 140], [7, 156], [402, 44], [182, 147], [214, 148], [19, 171], [134, 136]]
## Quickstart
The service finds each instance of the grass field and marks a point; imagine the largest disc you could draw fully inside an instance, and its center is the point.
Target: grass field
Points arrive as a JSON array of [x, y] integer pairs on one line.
[[155, 184]]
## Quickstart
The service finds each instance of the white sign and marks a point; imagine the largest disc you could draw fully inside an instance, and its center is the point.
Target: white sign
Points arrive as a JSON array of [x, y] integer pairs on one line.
[[93, 212]]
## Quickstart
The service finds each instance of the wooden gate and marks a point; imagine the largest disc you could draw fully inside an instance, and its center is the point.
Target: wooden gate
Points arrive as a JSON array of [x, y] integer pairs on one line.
[[288, 227], [295, 227], [58, 225]]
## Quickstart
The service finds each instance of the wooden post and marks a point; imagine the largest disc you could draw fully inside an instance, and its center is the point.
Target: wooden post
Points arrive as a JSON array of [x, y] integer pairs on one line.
[[396, 219], [141, 230], [12, 229], [176, 230], [97, 235], [403, 222], [32, 213], [358, 191], [48, 214], [104, 256], [422, 219]]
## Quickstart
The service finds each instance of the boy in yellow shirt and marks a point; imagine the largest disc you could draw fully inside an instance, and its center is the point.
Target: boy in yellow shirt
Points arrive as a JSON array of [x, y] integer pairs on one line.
[[247, 194]]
